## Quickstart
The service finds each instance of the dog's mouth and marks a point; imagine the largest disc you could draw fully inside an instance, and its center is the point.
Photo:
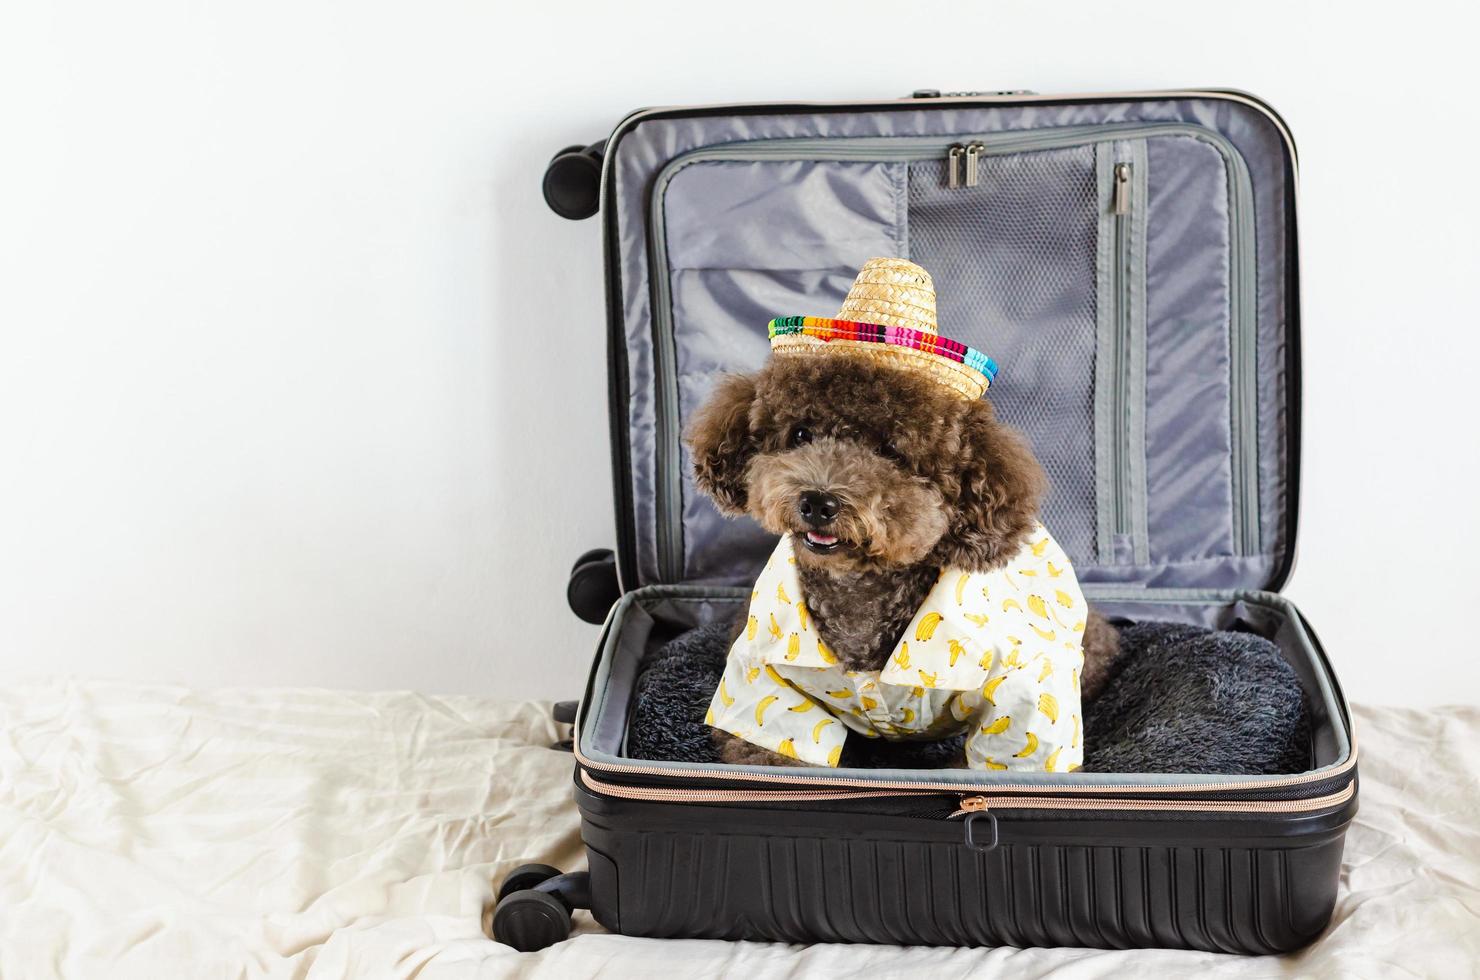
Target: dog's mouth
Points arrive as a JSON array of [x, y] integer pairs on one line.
[[821, 543]]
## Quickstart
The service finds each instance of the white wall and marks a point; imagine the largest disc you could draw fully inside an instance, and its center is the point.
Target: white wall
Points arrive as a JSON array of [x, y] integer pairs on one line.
[[300, 383]]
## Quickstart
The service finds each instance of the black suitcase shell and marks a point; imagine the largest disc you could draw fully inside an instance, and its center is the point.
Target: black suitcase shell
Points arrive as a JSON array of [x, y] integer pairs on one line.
[[716, 218]]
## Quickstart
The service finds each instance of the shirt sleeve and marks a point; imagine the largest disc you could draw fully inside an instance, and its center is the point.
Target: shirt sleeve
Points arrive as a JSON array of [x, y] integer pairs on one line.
[[755, 703]]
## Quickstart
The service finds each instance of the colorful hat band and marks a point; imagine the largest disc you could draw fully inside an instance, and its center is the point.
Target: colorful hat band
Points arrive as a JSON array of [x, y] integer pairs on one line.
[[827, 329]]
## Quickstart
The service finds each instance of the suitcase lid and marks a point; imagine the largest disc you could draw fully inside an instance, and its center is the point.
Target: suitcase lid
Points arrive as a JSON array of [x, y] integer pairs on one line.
[[1128, 260]]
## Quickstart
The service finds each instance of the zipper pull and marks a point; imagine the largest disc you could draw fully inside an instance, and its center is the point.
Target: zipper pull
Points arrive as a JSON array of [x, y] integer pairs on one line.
[[978, 838], [1120, 197], [953, 165], [973, 155]]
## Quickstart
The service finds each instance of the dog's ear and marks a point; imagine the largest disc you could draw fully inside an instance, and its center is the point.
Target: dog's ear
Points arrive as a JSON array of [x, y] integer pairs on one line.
[[721, 442], [1000, 485]]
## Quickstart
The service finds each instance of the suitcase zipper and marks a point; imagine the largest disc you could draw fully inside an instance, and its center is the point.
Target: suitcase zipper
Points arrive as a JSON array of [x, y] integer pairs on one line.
[[978, 804], [1120, 206], [672, 795], [968, 804], [962, 169]]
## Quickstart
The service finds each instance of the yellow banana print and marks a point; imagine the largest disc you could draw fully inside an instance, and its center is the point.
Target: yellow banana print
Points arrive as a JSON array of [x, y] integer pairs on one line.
[[1011, 660], [751, 674], [802, 614], [1052, 762], [841, 695], [834, 755], [1064, 598], [1028, 572], [956, 650], [709, 717], [908, 715], [1028, 749], [1074, 678], [1049, 706], [1054, 613], [951, 704], [781, 593], [918, 691], [927, 679], [1079, 626], [1054, 571], [1040, 548], [760, 709], [775, 675], [980, 619], [869, 704], [1011, 604], [902, 658], [927, 626], [1049, 635], [725, 695], [1010, 581], [775, 628], [1046, 671], [986, 662], [1074, 742], [961, 587], [1038, 606], [992, 763], [793, 647], [999, 726], [817, 730], [989, 689], [825, 652], [787, 749], [807, 704], [751, 625]]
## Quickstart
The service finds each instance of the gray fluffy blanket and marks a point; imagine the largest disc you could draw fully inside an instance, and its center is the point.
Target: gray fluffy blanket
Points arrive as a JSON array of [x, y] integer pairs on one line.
[[1186, 699]]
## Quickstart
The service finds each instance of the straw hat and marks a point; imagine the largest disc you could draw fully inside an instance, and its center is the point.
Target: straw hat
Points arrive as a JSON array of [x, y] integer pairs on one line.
[[889, 316]]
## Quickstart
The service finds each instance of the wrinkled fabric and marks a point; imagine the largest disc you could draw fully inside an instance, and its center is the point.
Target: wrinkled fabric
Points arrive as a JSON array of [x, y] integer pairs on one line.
[[994, 654], [160, 832]]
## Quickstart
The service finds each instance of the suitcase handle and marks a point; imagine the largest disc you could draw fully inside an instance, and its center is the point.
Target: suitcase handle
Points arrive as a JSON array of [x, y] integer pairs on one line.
[[935, 93]]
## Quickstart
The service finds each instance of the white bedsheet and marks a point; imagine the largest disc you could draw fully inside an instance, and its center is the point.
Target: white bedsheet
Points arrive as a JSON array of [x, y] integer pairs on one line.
[[161, 832]]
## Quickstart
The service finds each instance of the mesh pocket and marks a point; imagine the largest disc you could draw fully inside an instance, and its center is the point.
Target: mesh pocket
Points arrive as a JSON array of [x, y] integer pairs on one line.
[[1013, 260]]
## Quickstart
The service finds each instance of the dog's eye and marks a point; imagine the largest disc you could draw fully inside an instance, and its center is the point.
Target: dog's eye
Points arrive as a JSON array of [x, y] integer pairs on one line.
[[800, 436], [891, 452]]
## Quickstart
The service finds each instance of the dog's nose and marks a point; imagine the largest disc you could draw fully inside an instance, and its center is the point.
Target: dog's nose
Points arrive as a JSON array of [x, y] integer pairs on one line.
[[818, 507]]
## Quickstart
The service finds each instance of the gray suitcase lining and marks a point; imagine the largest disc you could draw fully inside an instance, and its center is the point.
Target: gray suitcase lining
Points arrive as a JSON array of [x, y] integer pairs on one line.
[[648, 617], [1143, 354]]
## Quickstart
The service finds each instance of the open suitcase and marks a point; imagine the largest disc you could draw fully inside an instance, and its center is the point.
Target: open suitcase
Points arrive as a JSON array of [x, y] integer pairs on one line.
[[1130, 261]]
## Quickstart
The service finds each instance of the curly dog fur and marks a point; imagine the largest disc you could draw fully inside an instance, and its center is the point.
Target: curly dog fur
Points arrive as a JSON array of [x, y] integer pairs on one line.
[[924, 480]]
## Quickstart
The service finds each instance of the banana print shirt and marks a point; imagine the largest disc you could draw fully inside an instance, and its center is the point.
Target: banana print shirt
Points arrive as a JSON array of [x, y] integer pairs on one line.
[[995, 653]]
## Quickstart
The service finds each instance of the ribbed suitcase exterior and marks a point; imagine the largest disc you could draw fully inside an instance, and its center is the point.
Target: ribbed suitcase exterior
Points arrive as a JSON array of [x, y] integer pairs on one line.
[[704, 872]]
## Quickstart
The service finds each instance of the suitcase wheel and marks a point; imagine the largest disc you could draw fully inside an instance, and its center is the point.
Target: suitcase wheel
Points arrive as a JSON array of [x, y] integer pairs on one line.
[[529, 920], [525, 876], [534, 906], [593, 587], [572, 184]]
